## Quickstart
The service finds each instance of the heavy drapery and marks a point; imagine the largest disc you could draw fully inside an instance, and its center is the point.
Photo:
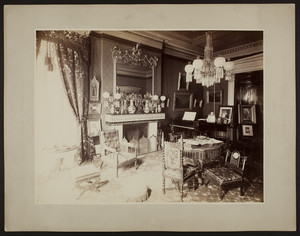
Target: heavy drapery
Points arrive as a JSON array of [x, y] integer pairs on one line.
[[72, 53]]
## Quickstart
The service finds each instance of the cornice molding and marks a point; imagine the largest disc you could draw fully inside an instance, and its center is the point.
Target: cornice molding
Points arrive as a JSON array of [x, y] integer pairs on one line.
[[171, 51], [176, 47], [172, 43], [248, 64], [242, 50], [133, 37]]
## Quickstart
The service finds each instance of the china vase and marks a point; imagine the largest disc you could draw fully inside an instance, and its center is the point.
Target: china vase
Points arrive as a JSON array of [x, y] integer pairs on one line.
[[158, 108], [131, 107], [125, 107], [146, 107], [211, 118], [112, 109]]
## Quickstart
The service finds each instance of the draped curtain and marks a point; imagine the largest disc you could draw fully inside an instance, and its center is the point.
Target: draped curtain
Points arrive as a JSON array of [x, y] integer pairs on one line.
[[72, 53]]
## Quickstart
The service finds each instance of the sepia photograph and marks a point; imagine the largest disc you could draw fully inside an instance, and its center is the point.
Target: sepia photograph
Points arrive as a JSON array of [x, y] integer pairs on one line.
[[136, 119], [137, 161]]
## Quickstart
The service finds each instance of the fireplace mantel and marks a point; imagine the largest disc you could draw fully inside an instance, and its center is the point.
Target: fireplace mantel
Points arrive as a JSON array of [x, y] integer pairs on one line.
[[130, 118]]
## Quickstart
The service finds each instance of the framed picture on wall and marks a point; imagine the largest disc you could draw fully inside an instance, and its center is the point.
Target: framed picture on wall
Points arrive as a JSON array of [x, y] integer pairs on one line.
[[247, 130], [94, 127], [181, 83], [226, 114], [214, 96], [246, 114], [94, 110], [94, 90], [182, 101]]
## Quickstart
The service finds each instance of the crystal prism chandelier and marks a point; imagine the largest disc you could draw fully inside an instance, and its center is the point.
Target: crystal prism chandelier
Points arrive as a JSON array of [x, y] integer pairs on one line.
[[209, 71]]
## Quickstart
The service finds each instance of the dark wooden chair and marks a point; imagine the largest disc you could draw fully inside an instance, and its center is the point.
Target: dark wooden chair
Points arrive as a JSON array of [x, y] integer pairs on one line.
[[229, 175], [115, 152], [174, 169]]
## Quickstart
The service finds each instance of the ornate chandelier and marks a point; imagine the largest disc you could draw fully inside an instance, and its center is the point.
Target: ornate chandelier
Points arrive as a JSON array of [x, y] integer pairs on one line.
[[209, 71]]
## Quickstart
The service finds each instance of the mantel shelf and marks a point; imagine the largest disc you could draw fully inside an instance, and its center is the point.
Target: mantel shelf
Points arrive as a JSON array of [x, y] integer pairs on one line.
[[128, 118]]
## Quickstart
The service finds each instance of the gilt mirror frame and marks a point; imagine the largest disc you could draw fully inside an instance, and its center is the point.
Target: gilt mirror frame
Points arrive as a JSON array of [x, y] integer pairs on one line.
[[135, 56]]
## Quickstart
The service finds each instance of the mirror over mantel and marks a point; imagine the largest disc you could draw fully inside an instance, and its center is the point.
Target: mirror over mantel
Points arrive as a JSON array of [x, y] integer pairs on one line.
[[134, 71]]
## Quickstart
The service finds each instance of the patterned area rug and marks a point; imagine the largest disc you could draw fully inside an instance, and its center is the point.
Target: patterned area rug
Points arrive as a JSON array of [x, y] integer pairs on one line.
[[60, 187]]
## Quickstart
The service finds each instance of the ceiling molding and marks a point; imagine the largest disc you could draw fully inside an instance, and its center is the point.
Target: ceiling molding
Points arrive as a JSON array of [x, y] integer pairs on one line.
[[248, 64], [171, 42], [174, 44], [130, 36], [242, 50], [179, 54]]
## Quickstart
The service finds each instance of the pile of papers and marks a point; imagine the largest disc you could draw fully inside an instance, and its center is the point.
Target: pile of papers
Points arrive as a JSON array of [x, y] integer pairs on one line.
[[200, 141]]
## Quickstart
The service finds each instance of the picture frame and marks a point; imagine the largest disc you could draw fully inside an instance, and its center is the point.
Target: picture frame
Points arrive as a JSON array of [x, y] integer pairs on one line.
[[181, 83], [247, 130], [94, 108], [94, 127], [94, 90], [246, 114], [225, 113], [214, 96], [182, 101]]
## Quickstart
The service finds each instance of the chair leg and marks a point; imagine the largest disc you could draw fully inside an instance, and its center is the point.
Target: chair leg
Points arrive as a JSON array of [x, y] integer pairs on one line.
[[117, 163], [195, 183], [221, 193], [181, 191], [164, 188], [202, 181], [241, 189], [205, 181], [136, 163]]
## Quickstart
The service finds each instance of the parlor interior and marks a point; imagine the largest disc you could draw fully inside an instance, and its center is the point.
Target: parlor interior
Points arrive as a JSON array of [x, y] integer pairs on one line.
[[126, 102]]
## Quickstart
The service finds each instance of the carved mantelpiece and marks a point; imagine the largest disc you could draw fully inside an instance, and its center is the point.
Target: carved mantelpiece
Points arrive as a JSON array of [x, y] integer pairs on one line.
[[129, 118], [150, 119]]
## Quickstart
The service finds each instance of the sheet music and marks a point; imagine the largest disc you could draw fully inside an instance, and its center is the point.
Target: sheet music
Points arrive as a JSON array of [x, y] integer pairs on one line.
[[189, 116]]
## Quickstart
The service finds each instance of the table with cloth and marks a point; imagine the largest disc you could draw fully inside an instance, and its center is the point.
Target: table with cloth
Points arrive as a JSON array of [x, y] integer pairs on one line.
[[203, 150]]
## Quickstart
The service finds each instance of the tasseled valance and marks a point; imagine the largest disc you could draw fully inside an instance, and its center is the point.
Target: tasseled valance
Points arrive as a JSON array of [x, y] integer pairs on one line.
[[76, 40]]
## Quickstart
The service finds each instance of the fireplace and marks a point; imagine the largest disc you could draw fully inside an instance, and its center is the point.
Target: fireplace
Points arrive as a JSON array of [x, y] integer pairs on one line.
[[139, 128], [137, 133]]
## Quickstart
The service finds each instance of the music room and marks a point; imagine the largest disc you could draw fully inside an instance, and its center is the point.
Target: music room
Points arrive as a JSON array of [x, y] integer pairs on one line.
[[149, 116]]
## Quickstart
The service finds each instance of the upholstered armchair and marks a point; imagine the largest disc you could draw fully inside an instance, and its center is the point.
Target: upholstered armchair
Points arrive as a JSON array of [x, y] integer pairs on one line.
[[227, 176], [174, 169], [115, 152]]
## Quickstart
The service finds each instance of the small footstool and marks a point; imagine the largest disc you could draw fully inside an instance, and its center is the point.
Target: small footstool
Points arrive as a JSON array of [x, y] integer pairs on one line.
[[135, 191]]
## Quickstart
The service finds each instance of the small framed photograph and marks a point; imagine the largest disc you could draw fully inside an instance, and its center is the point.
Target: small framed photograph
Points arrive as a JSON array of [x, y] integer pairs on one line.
[[214, 96], [246, 114], [94, 109], [94, 90], [247, 130], [94, 127], [226, 114]]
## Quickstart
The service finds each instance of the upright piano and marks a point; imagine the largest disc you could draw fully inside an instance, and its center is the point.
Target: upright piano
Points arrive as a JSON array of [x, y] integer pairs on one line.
[[187, 124], [191, 127]]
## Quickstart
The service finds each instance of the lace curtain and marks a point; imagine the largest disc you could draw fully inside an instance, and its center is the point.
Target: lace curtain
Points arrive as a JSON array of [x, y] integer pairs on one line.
[[69, 52]]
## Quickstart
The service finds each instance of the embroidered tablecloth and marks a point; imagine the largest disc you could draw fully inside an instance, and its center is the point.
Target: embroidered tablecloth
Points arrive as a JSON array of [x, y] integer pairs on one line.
[[203, 154]]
